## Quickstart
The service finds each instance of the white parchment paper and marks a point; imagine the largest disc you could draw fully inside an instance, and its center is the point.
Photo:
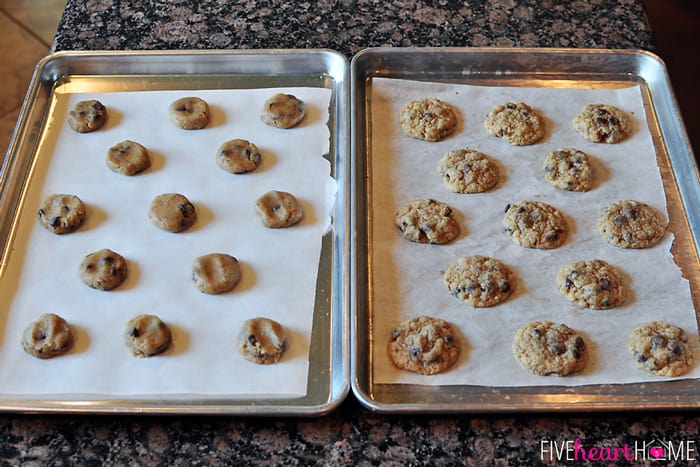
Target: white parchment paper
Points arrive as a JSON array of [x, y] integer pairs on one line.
[[279, 266], [407, 276]]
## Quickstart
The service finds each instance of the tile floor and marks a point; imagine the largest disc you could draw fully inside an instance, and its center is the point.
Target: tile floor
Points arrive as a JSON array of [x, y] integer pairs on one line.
[[29, 25]]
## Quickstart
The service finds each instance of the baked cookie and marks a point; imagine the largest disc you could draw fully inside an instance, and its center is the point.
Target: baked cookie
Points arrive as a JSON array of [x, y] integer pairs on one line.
[[517, 123], [147, 335], [660, 348], [172, 212], [238, 156], [283, 111], [427, 221], [591, 284], [262, 341], [424, 345], [467, 171], [103, 269], [568, 169], [631, 224], [216, 273], [544, 348], [278, 209], [128, 158], [602, 123], [61, 213], [533, 224], [47, 337], [480, 281], [189, 113], [429, 119], [87, 116]]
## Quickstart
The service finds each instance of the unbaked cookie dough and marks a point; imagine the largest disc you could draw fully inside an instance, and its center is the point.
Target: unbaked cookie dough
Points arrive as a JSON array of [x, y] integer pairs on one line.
[[591, 284], [424, 345], [172, 212], [238, 156], [278, 209], [661, 349], [147, 335], [534, 224], [517, 123], [631, 224], [103, 270], [262, 341], [216, 273], [47, 337], [602, 123], [189, 113], [128, 158], [467, 171], [544, 348], [480, 281], [283, 111], [568, 169], [61, 213], [429, 119], [427, 221], [87, 116]]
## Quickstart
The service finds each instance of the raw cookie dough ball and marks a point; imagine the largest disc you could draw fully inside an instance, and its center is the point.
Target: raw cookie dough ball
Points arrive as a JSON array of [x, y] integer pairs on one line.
[[47, 337], [216, 273], [429, 119], [189, 113], [424, 345], [467, 171], [147, 335], [172, 212], [87, 116], [283, 111], [661, 349], [602, 123], [517, 123], [128, 158], [480, 281], [238, 156], [262, 341], [103, 270], [427, 221], [631, 224], [61, 213], [568, 169], [591, 284], [278, 209], [544, 348], [533, 224]]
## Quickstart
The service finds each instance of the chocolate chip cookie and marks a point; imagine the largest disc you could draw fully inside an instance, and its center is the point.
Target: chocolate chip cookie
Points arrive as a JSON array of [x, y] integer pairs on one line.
[[424, 345], [216, 273], [61, 213], [427, 221], [189, 113], [568, 169], [429, 119], [516, 122], [128, 158], [544, 348], [661, 349], [534, 224], [480, 281], [172, 212], [631, 224], [602, 123], [103, 270], [47, 337], [467, 171], [147, 335], [262, 341], [278, 209], [87, 116], [591, 284], [283, 111], [238, 156]]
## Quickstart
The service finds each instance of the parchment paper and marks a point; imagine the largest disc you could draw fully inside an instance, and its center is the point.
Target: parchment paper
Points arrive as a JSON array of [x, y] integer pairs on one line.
[[279, 266], [407, 276]]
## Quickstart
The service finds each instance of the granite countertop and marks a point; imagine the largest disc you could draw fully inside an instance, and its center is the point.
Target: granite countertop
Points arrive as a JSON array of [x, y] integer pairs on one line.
[[350, 435]]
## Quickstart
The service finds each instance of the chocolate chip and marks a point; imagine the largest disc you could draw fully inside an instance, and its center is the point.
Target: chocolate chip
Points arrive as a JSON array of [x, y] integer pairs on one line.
[[427, 116], [448, 341], [40, 336], [641, 358], [40, 213], [511, 106], [676, 349], [658, 341], [415, 352], [568, 283], [505, 286], [604, 283], [557, 349], [507, 208], [252, 340], [553, 235], [180, 108], [579, 343], [536, 333], [134, 332], [98, 106], [55, 222], [395, 334]]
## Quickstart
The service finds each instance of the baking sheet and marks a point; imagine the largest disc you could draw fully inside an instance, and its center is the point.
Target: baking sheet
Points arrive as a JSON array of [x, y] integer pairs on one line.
[[202, 367], [511, 71]]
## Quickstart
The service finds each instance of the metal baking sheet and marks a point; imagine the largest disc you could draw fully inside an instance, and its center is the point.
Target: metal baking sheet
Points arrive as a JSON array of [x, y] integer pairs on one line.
[[594, 69], [328, 377]]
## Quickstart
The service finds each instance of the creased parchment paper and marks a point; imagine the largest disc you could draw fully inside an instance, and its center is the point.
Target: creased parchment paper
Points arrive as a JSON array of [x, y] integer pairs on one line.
[[279, 266], [407, 276]]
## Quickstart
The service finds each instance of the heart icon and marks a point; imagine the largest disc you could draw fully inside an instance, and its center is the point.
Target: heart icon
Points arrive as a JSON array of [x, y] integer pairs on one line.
[[656, 452]]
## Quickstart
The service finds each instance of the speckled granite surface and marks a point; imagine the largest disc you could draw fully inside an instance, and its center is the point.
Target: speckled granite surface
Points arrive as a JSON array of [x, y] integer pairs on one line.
[[350, 435]]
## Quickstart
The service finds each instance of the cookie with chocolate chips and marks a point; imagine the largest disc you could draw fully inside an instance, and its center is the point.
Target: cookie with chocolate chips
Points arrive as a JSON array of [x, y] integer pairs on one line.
[[547, 349], [238, 156], [467, 171], [128, 158], [427, 221], [47, 337], [283, 111], [480, 281], [429, 119], [87, 116], [516, 122], [603, 123], [278, 209], [424, 345], [147, 335], [534, 224], [103, 269], [189, 113], [262, 341], [172, 212], [591, 284], [661, 349], [61, 213], [568, 169], [631, 224]]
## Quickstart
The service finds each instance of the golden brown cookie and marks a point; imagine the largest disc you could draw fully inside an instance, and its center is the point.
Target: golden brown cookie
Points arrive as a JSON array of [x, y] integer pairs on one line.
[[631, 224], [591, 284], [103, 270], [602, 123], [262, 341], [147, 335], [238, 156], [467, 171], [61, 213], [517, 123], [424, 345], [661, 349], [480, 281], [87, 116], [278, 209], [427, 221], [189, 113], [283, 111], [544, 348], [568, 169], [534, 224], [47, 337], [429, 119], [172, 212]]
